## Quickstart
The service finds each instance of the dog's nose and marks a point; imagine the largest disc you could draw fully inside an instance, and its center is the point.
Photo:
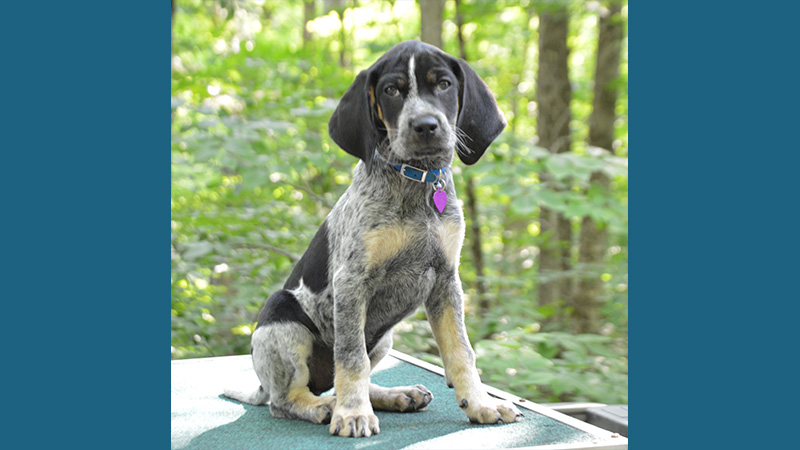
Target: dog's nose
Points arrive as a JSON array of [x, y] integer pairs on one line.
[[425, 126]]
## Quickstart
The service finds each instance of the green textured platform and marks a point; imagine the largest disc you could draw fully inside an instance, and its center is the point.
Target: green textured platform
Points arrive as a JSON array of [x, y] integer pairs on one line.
[[203, 419]]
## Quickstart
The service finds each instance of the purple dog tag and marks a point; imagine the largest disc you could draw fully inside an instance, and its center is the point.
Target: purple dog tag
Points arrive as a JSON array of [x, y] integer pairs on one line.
[[440, 199]]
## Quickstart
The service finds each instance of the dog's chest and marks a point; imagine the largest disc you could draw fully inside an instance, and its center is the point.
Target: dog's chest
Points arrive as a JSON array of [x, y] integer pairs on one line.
[[386, 234], [405, 259], [413, 243]]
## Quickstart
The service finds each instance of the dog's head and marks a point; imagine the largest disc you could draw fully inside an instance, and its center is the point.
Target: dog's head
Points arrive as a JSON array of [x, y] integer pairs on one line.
[[423, 102]]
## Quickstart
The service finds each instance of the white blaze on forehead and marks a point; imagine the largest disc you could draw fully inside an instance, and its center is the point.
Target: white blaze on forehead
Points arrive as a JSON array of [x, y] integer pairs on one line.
[[412, 79]]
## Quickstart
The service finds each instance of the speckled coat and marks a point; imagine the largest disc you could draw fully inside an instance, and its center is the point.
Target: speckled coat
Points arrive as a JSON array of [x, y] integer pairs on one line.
[[383, 250]]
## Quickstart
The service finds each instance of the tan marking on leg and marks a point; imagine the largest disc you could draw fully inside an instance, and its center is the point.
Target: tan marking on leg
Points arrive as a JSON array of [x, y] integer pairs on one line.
[[459, 362], [351, 383], [384, 242], [300, 402], [457, 355], [451, 235], [353, 415], [307, 406]]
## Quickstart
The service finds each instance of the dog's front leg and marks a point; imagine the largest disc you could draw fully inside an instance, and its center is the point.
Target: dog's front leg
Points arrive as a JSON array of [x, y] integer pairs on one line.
[[353, 415], [446, 315]]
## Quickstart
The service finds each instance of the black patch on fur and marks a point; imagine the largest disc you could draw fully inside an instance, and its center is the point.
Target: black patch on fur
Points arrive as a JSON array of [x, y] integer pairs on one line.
[[479, 117], [373, 335], [320, 368], [383, 316], [282, 306], [373, 341], [313, 265], [353, 125]]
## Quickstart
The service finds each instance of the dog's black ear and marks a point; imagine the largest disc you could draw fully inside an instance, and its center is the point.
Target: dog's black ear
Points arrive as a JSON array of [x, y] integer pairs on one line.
[[352, 125], [478, 116]]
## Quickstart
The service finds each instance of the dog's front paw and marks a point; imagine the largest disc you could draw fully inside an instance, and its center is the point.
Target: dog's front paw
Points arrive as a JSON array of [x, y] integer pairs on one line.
[[412, 398], [402, 399], [355, 422], [490, 410]]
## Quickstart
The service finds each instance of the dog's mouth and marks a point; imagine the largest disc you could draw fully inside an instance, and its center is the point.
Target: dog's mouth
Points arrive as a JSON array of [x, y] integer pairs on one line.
[[431, 151], [436, 152], [432, 156]]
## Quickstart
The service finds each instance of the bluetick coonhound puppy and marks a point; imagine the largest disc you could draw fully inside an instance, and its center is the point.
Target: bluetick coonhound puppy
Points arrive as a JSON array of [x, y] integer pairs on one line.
[[391, 243]]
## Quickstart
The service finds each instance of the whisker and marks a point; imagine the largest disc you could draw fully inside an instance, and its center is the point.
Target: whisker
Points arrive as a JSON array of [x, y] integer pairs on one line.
[[461, 144]]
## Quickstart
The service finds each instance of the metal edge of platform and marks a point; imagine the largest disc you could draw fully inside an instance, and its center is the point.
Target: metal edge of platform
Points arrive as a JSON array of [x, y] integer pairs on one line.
[[607, 439]]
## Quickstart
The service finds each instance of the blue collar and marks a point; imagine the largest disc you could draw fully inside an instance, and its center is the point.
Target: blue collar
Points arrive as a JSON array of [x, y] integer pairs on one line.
[[423, 176], [412, 173]]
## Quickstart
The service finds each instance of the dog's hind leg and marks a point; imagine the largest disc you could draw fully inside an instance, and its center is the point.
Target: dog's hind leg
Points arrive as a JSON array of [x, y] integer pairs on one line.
[[401, 399], [281, 352], [259, 397]]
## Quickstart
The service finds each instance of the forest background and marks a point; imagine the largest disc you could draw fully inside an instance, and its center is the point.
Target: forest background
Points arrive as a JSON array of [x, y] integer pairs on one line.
[[254, 173]]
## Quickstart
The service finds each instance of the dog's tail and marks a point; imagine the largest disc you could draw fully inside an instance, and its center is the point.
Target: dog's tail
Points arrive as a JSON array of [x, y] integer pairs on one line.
[[259, 397]]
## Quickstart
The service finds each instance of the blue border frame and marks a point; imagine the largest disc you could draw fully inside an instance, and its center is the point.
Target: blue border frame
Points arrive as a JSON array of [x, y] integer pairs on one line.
[[713, 98], [86, 181], [713, 245]]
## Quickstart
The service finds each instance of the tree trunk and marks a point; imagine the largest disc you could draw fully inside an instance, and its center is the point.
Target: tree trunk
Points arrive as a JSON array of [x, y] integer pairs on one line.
[[172, 45], [554, 93], [340, 6], [431, 13], [344, 60], [471, 203], [334, 5], [475, 248], [566, 281], [594, 236], [518, 78], [462, 53], [308, 16]]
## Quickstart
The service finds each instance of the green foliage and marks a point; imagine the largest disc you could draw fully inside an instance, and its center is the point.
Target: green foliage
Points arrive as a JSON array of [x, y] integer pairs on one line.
[[556, 366], [254, 174]]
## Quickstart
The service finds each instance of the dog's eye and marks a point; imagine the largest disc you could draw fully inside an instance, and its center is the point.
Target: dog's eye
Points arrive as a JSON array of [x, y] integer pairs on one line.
[[444, 84], [391, 90]]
